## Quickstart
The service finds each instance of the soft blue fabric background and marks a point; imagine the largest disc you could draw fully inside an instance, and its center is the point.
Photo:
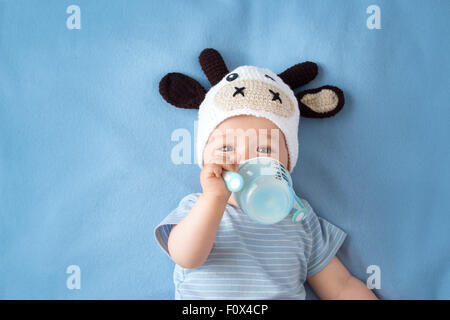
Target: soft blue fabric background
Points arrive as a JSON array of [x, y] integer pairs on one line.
[[85, 138]]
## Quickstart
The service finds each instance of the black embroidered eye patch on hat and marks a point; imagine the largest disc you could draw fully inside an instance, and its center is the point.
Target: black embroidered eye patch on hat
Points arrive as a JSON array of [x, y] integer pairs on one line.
[[276, 96], [239, 90], [232, 76]]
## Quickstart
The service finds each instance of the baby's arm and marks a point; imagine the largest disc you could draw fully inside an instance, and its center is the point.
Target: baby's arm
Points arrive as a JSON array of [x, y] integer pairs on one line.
[[191, 240], [335, 282]]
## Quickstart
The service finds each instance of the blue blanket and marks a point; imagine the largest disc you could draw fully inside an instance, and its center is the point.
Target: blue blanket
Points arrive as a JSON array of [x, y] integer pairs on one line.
[[86, 140]]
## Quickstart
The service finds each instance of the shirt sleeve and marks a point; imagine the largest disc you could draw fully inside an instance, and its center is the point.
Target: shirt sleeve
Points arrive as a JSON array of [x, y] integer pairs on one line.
[[163, 229], [326, 239]]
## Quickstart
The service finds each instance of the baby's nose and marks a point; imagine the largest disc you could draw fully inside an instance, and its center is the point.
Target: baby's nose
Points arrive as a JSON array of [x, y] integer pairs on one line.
[[232, 158], [242, 152], [238, 158], [242, 156]]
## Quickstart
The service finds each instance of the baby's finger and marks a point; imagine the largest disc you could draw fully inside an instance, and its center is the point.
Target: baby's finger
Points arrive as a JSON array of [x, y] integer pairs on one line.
[[217, 171], [231, 166]]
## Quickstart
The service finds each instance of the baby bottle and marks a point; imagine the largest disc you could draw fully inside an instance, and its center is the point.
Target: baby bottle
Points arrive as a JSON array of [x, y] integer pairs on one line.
[[263, 189]]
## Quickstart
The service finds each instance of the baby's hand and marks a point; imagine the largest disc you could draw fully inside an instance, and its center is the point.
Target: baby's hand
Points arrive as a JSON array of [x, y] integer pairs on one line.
[[211, 176]]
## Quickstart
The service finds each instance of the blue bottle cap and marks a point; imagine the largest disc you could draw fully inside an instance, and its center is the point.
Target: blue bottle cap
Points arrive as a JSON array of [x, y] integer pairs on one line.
[[233, 180]]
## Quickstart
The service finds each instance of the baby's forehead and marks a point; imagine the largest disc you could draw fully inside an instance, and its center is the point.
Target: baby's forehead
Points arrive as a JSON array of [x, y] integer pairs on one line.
[[245, 121], [231, 132]]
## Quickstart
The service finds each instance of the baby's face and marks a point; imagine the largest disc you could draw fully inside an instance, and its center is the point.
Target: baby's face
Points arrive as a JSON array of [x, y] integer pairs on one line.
[[244, 137]]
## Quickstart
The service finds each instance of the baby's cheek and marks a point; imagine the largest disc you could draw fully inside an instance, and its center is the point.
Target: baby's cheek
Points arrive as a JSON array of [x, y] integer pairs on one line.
[[284, 155], [277, 157], [283, 158], [208, 153]]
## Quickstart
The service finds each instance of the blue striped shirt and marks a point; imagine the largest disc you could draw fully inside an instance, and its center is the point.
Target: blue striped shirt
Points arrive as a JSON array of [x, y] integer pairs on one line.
[[254, 261]]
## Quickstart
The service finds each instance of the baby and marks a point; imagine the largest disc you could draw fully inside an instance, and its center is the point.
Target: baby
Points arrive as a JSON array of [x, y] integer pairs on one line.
[[220, 253]]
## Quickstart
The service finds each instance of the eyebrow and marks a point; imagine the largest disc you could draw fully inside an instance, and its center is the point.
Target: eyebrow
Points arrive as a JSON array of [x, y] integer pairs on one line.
[[224, 136]]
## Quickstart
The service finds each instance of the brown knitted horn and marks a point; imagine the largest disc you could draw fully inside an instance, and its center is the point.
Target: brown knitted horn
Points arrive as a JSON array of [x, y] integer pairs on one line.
[[213, 65], [299, 74]]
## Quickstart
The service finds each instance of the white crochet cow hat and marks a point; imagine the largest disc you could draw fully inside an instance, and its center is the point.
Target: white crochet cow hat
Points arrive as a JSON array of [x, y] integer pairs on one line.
[[250, 90]]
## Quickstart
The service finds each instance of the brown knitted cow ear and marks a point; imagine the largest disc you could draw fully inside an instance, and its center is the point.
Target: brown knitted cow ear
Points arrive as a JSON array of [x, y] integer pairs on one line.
[[299, 74], [321, 102], [213, 65], [181, 91]]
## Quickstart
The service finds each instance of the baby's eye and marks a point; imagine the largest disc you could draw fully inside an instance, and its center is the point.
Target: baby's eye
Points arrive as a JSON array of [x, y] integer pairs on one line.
[[263, 150], [226, 148]]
